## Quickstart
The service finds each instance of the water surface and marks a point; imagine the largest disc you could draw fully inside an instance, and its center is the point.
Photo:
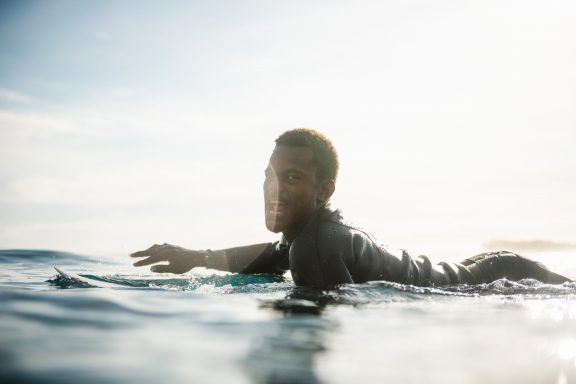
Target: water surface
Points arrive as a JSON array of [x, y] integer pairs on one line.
[[212, 327]]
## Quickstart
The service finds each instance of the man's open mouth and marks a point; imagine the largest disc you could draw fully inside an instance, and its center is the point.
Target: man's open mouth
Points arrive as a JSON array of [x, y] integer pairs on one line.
[[276, 207]]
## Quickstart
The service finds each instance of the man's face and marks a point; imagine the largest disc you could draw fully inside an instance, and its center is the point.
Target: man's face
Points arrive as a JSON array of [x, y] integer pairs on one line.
[[292, 191]]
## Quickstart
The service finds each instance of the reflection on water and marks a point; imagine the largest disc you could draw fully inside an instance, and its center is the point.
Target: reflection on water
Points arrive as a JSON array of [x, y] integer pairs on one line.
[[555, 309], [287, 351], [566, 352]]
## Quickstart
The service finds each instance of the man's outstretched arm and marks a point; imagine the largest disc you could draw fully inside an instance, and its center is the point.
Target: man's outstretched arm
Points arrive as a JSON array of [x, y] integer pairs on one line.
[[257, 258]]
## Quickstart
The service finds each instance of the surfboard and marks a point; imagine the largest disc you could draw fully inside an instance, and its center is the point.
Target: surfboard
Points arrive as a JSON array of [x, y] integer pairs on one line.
[[84, 280]]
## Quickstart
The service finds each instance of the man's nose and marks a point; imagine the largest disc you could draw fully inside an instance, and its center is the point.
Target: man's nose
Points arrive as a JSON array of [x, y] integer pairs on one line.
[[273, 187]]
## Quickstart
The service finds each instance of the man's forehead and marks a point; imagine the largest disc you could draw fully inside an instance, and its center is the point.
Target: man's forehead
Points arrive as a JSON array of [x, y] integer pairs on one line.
[[301, 157]]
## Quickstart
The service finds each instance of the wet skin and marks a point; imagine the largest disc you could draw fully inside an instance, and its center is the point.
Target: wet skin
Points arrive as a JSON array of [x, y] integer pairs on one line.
[[292, 190]]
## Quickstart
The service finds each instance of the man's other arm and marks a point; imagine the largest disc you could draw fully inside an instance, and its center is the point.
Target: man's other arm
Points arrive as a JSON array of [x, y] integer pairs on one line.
[[257, 258]]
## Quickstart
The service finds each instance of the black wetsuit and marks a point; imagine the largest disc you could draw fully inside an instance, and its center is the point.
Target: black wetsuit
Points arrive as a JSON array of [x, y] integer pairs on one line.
[[330, 251]]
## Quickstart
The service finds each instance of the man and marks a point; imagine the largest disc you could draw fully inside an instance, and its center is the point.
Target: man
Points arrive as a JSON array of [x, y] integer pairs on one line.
[[322, 250]]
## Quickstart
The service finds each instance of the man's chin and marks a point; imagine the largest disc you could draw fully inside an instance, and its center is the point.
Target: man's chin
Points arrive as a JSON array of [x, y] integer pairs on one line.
[[274, 226], [274, 229]]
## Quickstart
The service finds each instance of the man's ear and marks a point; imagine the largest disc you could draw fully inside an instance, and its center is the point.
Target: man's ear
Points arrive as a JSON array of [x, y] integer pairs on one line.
[[327, 189]]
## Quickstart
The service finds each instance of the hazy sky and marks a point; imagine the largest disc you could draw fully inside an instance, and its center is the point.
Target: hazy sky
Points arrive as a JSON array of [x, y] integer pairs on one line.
[[126, 123]]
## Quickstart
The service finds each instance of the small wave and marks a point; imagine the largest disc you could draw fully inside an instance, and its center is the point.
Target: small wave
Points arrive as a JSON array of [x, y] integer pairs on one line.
[[528, 288], [63, 282], [236, 283], [65, 310], [15, 256]]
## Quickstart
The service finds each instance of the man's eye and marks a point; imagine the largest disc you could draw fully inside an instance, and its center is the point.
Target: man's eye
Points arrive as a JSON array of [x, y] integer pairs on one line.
[[292, 177]]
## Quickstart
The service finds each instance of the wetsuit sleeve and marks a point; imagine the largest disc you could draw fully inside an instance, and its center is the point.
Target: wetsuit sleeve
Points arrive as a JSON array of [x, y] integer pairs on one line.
[[257, 258]]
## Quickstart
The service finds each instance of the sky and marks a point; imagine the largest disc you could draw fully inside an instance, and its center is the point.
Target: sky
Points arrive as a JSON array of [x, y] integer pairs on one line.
[[129, 123]]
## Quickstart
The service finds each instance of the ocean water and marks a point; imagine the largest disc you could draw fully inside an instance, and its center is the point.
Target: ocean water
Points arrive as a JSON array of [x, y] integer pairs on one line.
[[212, 327]]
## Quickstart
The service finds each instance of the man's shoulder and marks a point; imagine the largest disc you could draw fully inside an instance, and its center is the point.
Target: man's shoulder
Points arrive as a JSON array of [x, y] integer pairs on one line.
[[333, 220]]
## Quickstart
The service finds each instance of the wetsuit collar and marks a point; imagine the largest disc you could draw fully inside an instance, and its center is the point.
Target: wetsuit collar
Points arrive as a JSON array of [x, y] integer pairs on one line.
[[321, 210]]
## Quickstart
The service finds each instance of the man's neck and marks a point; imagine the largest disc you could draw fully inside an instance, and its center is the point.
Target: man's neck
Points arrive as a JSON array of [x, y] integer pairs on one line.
[[290, 235]]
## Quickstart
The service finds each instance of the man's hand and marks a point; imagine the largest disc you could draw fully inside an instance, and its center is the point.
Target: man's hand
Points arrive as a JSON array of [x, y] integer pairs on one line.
[[179, 260]]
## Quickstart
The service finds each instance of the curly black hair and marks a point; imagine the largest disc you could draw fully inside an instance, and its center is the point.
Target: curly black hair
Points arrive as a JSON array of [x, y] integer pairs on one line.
[[324, 152]]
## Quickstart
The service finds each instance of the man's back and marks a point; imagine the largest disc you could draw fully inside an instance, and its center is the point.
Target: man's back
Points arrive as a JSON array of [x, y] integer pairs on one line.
[[331, 251]]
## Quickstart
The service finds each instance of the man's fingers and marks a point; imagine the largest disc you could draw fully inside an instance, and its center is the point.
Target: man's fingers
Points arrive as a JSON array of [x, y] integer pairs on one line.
[[147, 252], [154, 254], [147, 261], [161, 268], [140, 254]]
